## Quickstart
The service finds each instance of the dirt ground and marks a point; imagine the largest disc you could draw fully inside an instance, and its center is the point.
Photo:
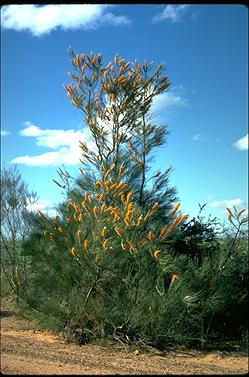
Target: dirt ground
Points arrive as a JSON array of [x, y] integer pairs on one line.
[[34, 352]]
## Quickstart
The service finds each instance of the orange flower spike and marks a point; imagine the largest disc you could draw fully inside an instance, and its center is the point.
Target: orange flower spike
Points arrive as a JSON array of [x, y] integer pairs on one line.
[[86, 245], [116, 217], [95, 212], [156, 254], [123, 245], [109, 170], [132, 245], [89, 199], [130, 207], [102, 208], [104, 244], [182, 218], [118, 231], [77, 208], [128, 197], [172, 227], [98, 184], [60, 229], [127, 223], [154, 207], [139, 220], [174, 209], [80, 218], [241, 211], [75, 216], [229, 216], [78, 234], [85, 196], [68, 219], [40, 214], [120, 170], [69, 95], [85, 207], [71, 202], [122, 197], [150, 235], [143, 241], [56, 217], [120, 186], [100, 197], [73, 251], [163, 231], [173, 278], [46, 233], [103, 232]]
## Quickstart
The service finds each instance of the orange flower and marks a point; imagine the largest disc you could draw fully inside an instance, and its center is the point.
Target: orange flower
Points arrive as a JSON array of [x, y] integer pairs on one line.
[[73, 251], [116, 217], [122, 197], [104, 231], [98, 184], [128, 197], [70, 201], [95, 212], [175, 209], [156, 254], [132, 245], [68, 219], [123, 245], [130, 207], [119, 186], [40, 214], [104, 244], [60, 229], [108, 171], [78, 234], [56, 217], [150, 235], [118, 231], [163, 231], [241, 211], [229, 216], [126, 222], [86, 245], [128, 216], [140, 219], [173, 278], [85, 207], [120, 170]]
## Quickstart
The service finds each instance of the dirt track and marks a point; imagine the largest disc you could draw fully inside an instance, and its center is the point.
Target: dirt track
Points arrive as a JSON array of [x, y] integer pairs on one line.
[[34, 352]]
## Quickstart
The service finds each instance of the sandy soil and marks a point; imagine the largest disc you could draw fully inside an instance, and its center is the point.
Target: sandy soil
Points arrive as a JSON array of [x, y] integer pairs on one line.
[[27, 352]]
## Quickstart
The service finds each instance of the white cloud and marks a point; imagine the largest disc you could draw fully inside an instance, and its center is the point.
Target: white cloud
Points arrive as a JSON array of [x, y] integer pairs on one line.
[[172, 13], [4, 133], [167, 100], [44, 205], [242, 143], [65, 145], [42, 19], [226, 203], [197, 137]]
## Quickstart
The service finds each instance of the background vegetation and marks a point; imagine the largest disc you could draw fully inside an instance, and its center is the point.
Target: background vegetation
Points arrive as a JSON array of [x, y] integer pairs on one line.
[[119, 260]]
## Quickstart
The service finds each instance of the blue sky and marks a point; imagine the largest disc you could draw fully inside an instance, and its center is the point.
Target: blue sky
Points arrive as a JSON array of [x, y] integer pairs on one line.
[[206, 109]]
